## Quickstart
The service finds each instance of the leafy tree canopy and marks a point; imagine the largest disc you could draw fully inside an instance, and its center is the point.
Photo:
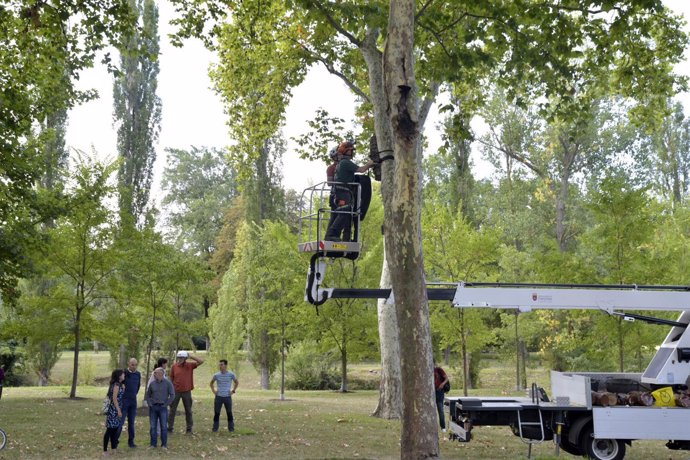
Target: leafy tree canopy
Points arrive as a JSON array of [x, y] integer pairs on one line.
[[45, 47]]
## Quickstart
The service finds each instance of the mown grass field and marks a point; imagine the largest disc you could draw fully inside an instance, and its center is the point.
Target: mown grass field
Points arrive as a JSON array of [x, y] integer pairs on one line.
[[44, 423]]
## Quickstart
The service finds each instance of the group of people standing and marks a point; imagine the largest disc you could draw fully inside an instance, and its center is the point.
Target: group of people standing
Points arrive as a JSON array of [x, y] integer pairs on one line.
[[164, 390]]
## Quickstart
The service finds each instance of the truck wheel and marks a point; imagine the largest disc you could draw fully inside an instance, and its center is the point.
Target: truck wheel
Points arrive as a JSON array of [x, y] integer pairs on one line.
[[572, 449], [600, 449]]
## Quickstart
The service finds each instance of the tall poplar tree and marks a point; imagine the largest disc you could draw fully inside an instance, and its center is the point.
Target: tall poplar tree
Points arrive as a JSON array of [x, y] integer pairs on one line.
[[670, 162], [137, 112]]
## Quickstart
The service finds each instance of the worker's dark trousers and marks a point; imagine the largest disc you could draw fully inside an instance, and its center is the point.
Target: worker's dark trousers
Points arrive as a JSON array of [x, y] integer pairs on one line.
[[186, 397], [440, 396], [341, 224], [218, 404]]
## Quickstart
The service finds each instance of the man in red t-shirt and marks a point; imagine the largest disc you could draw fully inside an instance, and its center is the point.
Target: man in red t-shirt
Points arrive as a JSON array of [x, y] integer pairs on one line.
[[440, 379], [182, 377]]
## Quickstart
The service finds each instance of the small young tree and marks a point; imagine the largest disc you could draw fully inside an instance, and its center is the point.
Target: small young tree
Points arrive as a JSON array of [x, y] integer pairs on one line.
[[81, 248], [456, 252], [43, 302]]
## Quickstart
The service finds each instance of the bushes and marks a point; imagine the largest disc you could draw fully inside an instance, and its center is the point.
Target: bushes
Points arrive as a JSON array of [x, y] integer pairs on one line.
[[309, 369], [12, 358], [355, 384]]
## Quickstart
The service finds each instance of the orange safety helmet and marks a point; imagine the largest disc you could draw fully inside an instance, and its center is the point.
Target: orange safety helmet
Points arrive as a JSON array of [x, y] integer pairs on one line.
[[346, 148]]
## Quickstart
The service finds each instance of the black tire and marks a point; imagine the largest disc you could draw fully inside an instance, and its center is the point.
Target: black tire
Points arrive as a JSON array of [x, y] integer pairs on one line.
[[3, 439], [567, 446], [600, 449]]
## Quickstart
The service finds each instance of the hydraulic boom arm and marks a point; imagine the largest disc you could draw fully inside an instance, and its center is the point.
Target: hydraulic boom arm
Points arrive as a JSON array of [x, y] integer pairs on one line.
[[670, 365]]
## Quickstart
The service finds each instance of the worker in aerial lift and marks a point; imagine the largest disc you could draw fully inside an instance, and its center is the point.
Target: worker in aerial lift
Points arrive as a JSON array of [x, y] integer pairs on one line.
[[330, 177], [341, 226]]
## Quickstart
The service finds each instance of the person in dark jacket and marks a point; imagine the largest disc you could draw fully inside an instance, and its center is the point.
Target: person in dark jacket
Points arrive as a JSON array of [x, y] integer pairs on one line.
[[440, 380], [340, 228], [159, 394], [129, 400]]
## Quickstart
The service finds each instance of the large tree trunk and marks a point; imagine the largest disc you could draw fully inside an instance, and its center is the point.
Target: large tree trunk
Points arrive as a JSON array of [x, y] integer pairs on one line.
[[390, 393], [390, 390], [390, 396], [419, 434]]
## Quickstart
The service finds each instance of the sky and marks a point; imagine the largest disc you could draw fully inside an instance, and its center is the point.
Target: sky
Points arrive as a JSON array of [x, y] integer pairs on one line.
[[192, 113]]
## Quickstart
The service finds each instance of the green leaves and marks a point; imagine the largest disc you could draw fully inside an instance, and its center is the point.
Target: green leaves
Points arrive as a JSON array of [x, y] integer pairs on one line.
[[137, 112], [325, 132], [259, 295], [260, 61], [39, 60], [199, 187]]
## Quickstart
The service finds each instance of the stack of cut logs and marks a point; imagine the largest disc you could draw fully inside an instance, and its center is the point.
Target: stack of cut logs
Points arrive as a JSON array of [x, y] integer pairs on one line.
[[634, 398]]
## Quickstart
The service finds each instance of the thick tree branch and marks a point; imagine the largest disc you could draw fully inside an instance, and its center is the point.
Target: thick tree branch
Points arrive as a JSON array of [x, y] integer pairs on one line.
[[96, 283], [428, 102], [335, 24], [421, 12], [437, 33], [454, 22], [437, 36], [516, 156], [370, 37], [332, 70], [581, 10]]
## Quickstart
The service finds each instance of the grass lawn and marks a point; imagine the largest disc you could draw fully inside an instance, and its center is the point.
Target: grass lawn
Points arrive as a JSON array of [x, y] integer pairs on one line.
[[44, 423]]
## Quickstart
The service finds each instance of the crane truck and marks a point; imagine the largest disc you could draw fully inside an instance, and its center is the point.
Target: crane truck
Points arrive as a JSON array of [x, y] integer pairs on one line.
[[569, 417]]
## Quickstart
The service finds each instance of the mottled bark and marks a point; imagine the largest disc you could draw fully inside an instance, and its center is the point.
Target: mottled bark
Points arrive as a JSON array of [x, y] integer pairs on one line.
[[390, 393], [390, 389], [419, 434]]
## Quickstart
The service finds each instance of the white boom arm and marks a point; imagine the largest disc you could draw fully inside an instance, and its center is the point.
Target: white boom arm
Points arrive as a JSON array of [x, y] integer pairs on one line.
[[571, 298], [670, 365]]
